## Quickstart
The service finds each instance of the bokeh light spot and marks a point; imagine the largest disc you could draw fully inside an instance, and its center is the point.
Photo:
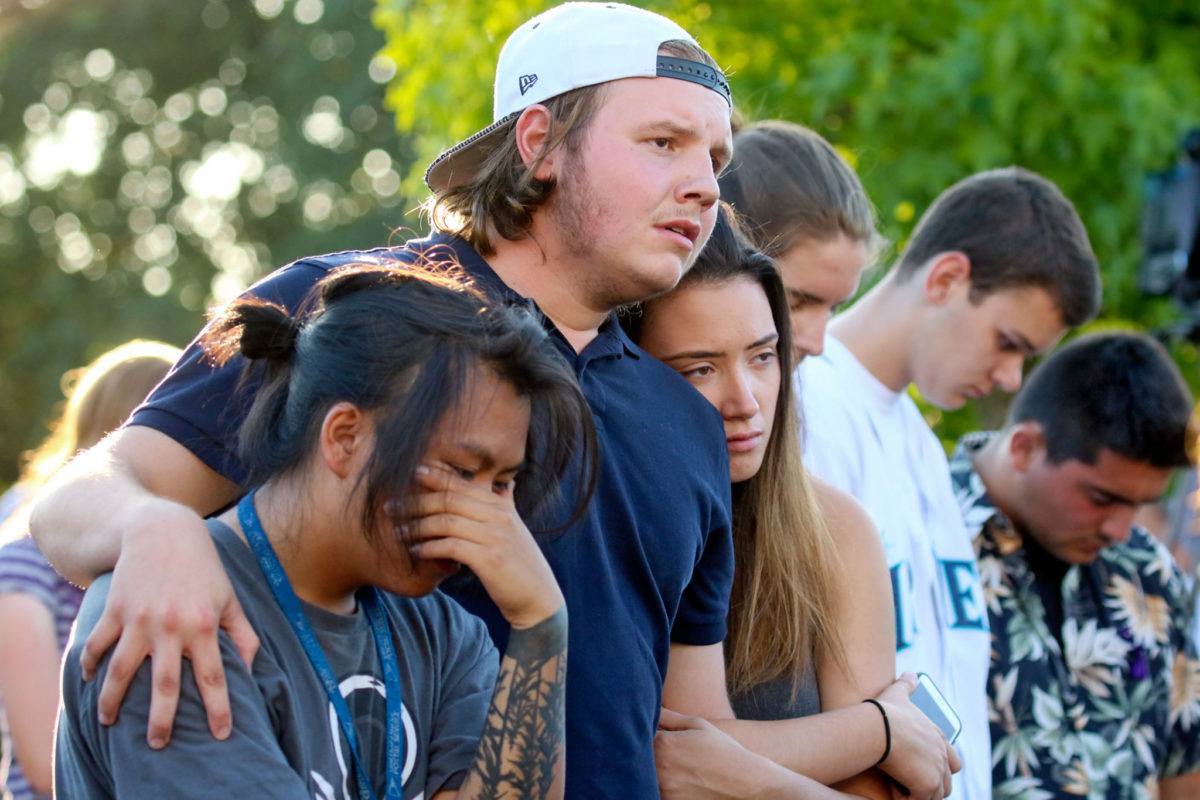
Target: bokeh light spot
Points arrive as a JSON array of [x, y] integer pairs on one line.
[[232, 72], [212, 100], [179, 107], [215, 14], [136, 149], [308, 11], [156, 281], [268, 9], [376, 162], [381, 69], [100, 64], [75, 146]]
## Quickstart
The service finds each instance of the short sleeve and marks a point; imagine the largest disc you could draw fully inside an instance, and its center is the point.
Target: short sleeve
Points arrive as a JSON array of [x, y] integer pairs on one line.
[[92, 759], [826, 434], [24, 570], [202, 406], [704, 607], [1183, 746], [468, 680]]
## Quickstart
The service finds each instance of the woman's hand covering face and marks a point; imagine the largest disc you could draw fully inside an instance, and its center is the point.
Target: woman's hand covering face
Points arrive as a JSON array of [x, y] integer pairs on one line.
[[478, 526]]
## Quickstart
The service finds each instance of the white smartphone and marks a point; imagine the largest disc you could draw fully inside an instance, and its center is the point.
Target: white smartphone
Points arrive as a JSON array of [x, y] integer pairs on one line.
[[934, 705]]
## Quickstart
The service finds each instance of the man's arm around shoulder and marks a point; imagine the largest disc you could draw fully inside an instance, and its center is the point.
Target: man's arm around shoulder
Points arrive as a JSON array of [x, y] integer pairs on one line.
[[93, 759], [133, 504], [137, 474]]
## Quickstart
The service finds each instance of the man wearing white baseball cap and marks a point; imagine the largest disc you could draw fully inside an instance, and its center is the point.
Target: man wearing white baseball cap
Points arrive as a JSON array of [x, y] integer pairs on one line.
[[572, 46], [595, 187]]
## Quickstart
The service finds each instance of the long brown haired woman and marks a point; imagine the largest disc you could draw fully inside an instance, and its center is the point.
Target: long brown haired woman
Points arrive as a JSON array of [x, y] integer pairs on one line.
[[810, 627]]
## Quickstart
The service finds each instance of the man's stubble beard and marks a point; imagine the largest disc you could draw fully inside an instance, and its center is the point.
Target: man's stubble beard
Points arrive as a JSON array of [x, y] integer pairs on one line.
[[597, 270]]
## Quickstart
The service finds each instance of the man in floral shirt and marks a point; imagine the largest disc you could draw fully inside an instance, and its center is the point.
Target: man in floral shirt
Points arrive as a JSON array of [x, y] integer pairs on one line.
[[1094, 685]]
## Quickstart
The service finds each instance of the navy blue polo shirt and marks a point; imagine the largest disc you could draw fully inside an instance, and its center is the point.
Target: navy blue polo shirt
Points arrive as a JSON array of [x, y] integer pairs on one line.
[[649, 563]]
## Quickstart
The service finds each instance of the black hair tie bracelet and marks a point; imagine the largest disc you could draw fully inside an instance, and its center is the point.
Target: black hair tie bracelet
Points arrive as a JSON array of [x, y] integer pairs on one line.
[[887, 731]]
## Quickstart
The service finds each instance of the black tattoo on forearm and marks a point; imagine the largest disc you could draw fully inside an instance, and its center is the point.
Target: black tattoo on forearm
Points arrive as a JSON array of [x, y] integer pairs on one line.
[[521, 750]]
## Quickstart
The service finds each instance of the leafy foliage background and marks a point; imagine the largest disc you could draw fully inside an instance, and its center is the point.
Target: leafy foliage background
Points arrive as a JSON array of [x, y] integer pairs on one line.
[[158, 157], [1090, 93]]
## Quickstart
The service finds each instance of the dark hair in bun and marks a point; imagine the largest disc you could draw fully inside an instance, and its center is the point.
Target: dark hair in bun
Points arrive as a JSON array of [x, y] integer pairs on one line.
[[400, 341], [265, 331]]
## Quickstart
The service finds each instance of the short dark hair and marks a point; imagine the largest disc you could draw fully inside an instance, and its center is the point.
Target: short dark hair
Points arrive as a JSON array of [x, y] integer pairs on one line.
[[401, 342], [1018, 230], [1118, 391]]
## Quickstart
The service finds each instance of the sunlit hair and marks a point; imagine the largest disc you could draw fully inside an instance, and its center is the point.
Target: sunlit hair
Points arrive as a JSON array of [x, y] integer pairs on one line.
[[788, 185], [401, 342], [502, 197], [100, 397], [781, 613]]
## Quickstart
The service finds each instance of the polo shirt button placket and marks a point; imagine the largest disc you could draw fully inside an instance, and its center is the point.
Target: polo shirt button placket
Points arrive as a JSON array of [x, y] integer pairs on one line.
[[593, 390]]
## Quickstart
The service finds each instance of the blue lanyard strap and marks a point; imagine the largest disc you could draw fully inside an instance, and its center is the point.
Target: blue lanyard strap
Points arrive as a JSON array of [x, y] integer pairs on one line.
[[372, 604]]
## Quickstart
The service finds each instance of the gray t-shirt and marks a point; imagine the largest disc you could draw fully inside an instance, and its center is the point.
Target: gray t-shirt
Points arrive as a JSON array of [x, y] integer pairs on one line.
[[776, 699], [286, 742]]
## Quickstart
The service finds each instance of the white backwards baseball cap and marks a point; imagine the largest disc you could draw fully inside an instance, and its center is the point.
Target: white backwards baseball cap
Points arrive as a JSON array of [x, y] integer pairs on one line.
[[568, 47]]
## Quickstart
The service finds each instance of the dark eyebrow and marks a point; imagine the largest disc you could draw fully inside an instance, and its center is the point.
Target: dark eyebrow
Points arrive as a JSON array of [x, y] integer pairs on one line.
[[1110, 497], [800, 294], [771, 337], [1023, 344], [768, 338], [484, 456], [1118, 499], [673, 128], [694, 354], [722, 151]]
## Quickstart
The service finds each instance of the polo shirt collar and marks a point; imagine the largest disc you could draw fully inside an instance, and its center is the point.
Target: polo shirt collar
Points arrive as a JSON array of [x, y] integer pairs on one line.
[[617, 341], [611, 339], [471, 262]]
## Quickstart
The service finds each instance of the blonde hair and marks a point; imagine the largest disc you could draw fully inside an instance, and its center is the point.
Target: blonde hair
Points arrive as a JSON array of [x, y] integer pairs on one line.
[[781, 611], [100, 397], [502, 197]]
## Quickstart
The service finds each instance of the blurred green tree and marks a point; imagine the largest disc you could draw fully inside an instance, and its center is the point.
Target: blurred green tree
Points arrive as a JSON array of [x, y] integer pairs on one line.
[[140, 181], [155, 157], [1090, 93]]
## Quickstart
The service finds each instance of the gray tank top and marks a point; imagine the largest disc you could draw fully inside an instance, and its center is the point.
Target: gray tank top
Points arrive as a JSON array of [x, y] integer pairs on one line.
[[773, 699]]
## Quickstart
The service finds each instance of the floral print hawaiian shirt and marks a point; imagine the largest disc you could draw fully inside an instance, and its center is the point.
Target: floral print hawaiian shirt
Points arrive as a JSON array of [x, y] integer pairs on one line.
[[1117, 711]]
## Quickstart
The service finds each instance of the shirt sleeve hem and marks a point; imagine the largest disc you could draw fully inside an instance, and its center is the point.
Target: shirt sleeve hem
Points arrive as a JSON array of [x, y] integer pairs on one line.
[[454, 781], [698, 635], [199, 443]]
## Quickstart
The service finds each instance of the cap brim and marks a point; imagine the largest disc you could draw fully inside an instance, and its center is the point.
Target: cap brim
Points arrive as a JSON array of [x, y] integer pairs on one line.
[[462, 162]]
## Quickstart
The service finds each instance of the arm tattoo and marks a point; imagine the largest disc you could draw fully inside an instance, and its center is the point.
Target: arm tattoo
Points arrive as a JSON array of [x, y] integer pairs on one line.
[[520, 754]]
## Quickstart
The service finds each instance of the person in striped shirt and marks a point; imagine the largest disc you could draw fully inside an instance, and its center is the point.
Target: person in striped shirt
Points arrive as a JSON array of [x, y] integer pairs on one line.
[[37, 605]]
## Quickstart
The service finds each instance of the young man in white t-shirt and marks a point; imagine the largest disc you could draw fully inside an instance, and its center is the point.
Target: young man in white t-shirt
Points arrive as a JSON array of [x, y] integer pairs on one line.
[[997, 270]]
